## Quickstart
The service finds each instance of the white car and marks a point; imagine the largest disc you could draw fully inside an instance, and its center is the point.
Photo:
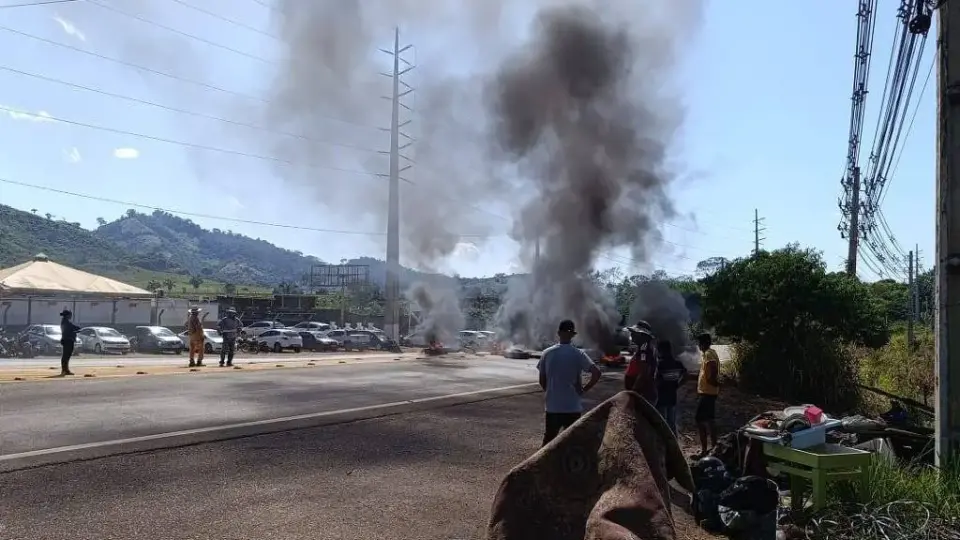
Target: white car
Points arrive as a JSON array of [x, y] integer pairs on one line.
[[310, 326], [257, 328], [212, 342], [101, 339], [280, 340]]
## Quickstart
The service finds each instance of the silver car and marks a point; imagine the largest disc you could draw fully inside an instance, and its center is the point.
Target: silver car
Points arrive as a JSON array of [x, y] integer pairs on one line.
[[46, 338], [101, 339]]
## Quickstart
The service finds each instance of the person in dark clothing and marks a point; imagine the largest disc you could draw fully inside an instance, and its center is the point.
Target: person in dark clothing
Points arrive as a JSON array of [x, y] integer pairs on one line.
[[670, 375], [641, 373], [68, 339]]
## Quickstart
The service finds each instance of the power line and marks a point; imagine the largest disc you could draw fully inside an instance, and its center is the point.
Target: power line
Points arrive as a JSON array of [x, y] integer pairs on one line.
[[225, 19], [182, 143], [38, 3], [165, 74], [181, 32], [178, 110], [206, 216]]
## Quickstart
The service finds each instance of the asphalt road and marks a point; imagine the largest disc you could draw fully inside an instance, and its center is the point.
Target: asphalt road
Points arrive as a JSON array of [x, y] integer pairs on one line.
[[428, 475], [37, 416]]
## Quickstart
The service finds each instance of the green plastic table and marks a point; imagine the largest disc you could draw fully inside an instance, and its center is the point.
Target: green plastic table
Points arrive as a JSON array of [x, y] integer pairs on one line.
[[818, 466]]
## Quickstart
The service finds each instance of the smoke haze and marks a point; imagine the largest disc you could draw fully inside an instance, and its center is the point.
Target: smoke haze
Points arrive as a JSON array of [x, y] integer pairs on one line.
[[581, 111]]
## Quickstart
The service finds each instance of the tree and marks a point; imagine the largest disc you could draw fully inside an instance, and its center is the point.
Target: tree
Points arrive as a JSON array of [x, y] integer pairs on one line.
[[101, 222], [709, 266], [131, 213], [168, 284], [196, 282], [894, 298], [48, 215], [34, 210], [229, 288], [794, 319], [154, 285]]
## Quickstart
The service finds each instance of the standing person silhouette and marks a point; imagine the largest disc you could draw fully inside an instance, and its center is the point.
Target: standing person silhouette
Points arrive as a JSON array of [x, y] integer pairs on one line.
[[560, 370], [229, 328], [68, 339], [197, 338]]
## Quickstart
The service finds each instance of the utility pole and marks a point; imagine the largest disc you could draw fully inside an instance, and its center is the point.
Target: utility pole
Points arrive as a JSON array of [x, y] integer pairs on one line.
[[757, 229], [911, 283], [536, 254], [916, 285], [948, 234], [391, 321], [853, 231]]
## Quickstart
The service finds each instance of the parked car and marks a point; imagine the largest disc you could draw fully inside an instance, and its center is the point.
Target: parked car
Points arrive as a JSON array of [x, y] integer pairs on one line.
[[212, 342], [311, 326], [337, 335], [102, 339], [156, 339], [280, 340], [373, 339], [46, 338], [316, 341], [259, 327]]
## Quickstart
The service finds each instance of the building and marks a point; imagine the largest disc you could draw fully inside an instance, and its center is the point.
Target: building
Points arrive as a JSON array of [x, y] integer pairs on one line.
[[36, 291]]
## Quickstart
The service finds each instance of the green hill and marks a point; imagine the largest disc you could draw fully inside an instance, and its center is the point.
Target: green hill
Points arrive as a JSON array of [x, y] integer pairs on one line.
[[160, 250]]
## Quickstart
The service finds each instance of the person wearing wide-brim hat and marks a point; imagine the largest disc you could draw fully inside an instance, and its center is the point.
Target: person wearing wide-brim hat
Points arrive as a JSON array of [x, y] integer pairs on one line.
[[195, 333], [641, 374], [68, 339]]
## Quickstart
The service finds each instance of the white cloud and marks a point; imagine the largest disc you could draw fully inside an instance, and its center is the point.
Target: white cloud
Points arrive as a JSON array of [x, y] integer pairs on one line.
[[13, 114], [73, 155], [126, 153], [69, 28]]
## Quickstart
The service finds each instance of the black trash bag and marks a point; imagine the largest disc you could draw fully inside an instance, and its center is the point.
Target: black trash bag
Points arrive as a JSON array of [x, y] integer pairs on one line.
[[748, 509], [710, 478]]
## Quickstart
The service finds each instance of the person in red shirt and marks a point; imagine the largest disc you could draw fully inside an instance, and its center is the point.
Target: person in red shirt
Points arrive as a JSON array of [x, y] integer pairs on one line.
[[641, 375]]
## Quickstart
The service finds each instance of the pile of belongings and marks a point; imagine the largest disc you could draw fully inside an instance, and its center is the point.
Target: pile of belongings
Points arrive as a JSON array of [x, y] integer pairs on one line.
[[893, 436]]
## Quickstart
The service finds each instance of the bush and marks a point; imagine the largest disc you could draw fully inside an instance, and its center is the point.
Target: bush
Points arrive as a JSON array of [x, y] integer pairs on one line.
[[900, 371], [798, 369], [793, 320]]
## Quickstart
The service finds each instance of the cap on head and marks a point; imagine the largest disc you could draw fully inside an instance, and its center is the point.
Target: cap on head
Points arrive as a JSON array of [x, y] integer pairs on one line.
[[566, 327], [194, 310], [66, 313], [231, 311], [705, 339]]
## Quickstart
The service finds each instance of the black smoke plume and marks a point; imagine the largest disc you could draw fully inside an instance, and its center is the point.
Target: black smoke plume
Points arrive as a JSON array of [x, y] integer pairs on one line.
[[582, 114]]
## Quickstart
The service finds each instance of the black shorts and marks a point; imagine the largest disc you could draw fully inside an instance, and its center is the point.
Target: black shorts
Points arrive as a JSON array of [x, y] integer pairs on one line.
[[706, 408]]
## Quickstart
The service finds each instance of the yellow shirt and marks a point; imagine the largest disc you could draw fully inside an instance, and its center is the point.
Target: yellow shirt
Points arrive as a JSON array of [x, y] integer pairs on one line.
[[703, 385]]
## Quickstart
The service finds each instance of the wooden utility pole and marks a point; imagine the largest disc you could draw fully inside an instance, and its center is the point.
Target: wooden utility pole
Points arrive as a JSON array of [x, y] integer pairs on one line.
[[948, 234]]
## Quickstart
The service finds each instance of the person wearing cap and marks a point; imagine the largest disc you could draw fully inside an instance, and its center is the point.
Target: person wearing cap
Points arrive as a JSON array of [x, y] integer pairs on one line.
[[229, 328], [560, 368], [641, 374], [68, 339], [197, 339]]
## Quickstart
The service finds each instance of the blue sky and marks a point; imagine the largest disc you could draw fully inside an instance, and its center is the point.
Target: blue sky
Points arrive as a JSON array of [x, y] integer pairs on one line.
[[767, 94]]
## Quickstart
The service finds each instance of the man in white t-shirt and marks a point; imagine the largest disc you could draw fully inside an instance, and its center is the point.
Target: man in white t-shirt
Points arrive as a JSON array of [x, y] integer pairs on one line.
[[560, 370]]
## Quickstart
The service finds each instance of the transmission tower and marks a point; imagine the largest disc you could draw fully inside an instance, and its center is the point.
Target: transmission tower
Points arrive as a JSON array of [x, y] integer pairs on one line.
[[757, 229], [401, 89]]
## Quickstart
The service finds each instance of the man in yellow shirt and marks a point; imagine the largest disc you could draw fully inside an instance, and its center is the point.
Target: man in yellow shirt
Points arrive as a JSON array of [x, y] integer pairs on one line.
[[708, 388]]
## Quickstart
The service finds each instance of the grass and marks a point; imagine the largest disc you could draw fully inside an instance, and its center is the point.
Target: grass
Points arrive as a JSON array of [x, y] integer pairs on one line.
[[905, 503]]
